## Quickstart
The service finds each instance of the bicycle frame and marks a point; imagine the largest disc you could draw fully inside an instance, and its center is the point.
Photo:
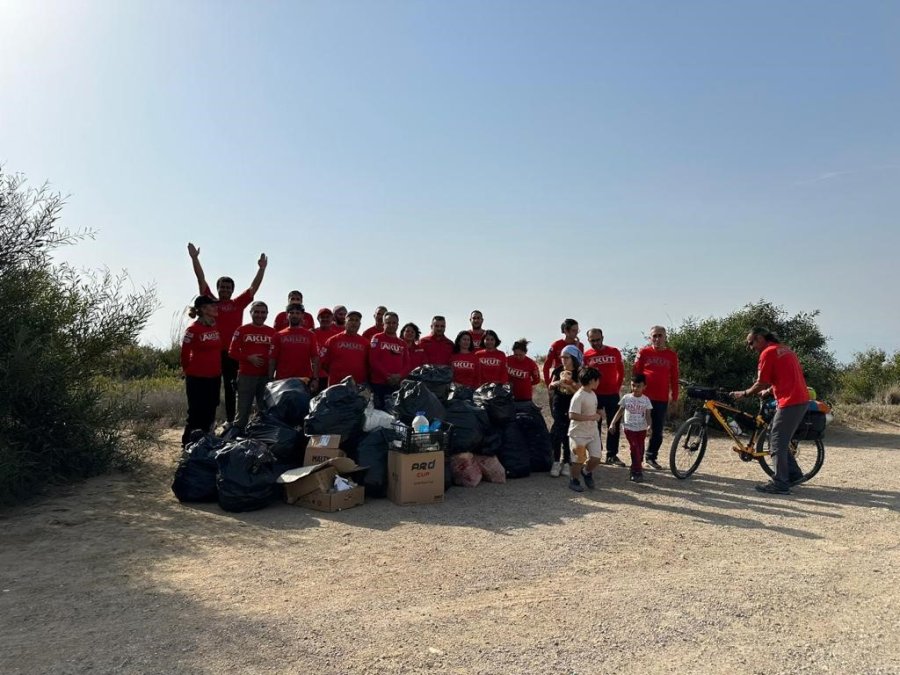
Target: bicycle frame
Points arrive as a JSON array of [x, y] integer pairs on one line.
[[714, 409]]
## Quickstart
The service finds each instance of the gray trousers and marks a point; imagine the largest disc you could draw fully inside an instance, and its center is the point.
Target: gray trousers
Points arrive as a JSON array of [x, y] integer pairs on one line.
[[249, 388], [784, 424]]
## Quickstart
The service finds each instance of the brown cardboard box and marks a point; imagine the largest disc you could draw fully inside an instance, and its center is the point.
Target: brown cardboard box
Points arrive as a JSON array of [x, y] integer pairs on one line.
[[319, 451], [416, 478], [315, 478], [334, 501]]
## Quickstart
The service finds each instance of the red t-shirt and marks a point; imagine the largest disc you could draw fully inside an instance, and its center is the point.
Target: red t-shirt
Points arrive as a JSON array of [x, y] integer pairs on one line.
[[201, 351], [523, 375], [465, 369], [281, 321], [438, 350], [491, 365], [554, 357], [293, 350], [346, 355], [780, 367], [387, 356], [231, 312], [250, 340], [660, 367], [608, 360], [323, 336], [416, 356], [372, 331], [477, 338]]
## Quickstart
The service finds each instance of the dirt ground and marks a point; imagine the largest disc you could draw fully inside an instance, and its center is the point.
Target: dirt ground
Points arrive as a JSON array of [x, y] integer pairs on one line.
[[697, 576]]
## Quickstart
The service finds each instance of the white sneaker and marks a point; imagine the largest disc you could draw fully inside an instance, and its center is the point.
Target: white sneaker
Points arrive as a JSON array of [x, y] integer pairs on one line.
[[566, 470], [555, 469]]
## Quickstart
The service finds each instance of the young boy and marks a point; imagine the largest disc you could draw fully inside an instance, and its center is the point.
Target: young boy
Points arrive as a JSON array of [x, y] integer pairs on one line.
[[636, 408], [584, 434]]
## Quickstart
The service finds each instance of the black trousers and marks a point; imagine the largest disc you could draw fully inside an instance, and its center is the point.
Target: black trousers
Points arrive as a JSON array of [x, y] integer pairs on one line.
[[657, 421], [229, 377], [202, 400], [610, 405], [559, 430]]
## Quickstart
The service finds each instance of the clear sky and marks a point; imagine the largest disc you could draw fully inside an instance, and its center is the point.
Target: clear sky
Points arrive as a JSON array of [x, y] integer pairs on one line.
[[621, 163]]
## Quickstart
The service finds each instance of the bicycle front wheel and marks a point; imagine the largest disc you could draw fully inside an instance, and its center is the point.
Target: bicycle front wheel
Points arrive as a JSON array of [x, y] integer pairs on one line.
[[688, 447], [809, 455]]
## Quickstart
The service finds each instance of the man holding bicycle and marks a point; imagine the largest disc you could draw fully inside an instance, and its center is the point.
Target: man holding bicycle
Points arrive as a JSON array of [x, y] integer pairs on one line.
[[779, 373]]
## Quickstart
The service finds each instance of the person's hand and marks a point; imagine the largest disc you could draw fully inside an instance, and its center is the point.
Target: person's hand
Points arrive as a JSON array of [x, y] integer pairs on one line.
[[193, 251], [256, 359], [262, 262], [738, 395], [393, 379]]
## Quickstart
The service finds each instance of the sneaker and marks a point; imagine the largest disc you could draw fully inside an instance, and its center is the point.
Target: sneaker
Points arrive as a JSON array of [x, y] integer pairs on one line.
[[773, 488], [652, 462], [636, 478], [566, 470], [555, 469], [614, 461], [588, 479], [576, 485]]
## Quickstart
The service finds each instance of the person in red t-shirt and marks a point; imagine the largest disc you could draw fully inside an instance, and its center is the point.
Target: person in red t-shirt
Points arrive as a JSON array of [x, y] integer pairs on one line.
[[523, 372], [325, 331], [201, 364], [438, 347], [340, 317], [388, 361], [231, 315], [372, 331], [410, 334], [476, 321], [780, 374], [608, 362], [295, 351], [462, 361], [490, 361], [347, 353], [251, 347], [281, 319], [659, 365], [569, 328]]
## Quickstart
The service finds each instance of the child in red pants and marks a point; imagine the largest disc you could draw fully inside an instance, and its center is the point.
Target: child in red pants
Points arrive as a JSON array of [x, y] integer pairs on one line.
[[635, 408]]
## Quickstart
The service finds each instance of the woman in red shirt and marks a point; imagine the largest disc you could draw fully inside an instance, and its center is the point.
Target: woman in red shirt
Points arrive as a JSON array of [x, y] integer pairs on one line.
[[490, 361], [202, 366], [462, 360], [410, 334]]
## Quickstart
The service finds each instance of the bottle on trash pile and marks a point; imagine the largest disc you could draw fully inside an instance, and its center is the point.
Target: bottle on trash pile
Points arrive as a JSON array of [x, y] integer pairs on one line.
[[420, 423]]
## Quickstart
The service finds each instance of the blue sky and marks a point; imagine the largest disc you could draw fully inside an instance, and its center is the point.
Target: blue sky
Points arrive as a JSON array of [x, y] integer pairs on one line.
[[624, 164]]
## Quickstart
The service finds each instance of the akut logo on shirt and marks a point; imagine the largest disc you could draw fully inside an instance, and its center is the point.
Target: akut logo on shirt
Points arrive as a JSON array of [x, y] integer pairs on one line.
[[350, 345], [295, 338], [491, 361], [597, 360], [464, 365], [658, 361], [389, 346], [258, 339], [209, 335], [517, 373]]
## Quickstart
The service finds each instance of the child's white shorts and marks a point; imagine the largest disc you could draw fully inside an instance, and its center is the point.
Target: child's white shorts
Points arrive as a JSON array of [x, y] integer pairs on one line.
[[583, 448]]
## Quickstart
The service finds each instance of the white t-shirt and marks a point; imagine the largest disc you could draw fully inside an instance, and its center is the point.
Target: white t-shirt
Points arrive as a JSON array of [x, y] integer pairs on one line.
[[584, 402], [635, 419]]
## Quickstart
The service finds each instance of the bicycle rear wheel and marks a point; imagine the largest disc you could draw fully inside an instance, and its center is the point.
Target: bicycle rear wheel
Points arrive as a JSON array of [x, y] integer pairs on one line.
[[688, 447], [810, 455]]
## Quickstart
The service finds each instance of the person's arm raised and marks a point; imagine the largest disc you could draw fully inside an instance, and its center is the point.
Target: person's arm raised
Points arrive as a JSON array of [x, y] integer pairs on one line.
[[260, 273], [194, 252]]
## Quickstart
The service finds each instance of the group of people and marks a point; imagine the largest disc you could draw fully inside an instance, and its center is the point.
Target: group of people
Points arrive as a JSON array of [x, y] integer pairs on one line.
[[584, 385]]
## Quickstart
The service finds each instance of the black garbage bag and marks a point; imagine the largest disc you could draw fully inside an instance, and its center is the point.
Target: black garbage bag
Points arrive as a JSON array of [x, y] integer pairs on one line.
[[498, 400], [536, 434], [470, 424], [514, 452], [287, 400], [373, 453], [493, 441], [437, 378], [415, 397], [247, 476], [337, 410], [460, 392], [285, 442], [195, 476]]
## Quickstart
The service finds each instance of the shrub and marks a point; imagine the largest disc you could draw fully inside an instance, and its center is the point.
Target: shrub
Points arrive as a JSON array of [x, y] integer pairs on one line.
[[57, 330], [871, 376]]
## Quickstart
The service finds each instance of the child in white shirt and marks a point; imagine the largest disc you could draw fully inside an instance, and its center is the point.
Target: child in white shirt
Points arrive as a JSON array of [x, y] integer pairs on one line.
[[635, 408]]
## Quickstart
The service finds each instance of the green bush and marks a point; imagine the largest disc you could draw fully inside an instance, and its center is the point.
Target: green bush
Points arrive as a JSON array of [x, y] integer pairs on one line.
[[58, 329], [872, 376]]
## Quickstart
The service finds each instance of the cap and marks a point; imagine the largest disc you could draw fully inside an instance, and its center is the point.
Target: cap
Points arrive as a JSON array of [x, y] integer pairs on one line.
[[353, 312], [203, 300], [322, 311], [337, 307]]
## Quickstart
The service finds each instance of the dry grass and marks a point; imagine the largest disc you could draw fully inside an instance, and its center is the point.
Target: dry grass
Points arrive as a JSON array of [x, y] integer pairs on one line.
[[861, 415]]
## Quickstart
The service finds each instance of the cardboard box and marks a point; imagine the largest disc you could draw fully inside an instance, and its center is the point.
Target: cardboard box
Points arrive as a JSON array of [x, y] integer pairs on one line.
[[334, 501], [316, 478], [416, 478], [314, 456]]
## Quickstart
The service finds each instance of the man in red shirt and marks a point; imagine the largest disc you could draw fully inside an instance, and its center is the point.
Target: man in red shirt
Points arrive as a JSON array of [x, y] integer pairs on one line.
[[251, 347], [388, 361], [295, 351], [281, 320], [231, 315], [569, 328], [779, 373], [340, 317], [608, 362], [437, 346], [325, 331], [523, 371], [347, 353], [659, 365], [476, 321], [372, 331]]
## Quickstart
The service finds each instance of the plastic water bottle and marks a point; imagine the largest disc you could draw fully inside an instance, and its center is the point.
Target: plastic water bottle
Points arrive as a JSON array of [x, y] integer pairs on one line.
[[735, 427], [420, 422]]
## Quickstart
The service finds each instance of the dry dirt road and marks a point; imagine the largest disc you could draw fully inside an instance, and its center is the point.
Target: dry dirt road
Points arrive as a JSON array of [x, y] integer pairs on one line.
[[697, 576]]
